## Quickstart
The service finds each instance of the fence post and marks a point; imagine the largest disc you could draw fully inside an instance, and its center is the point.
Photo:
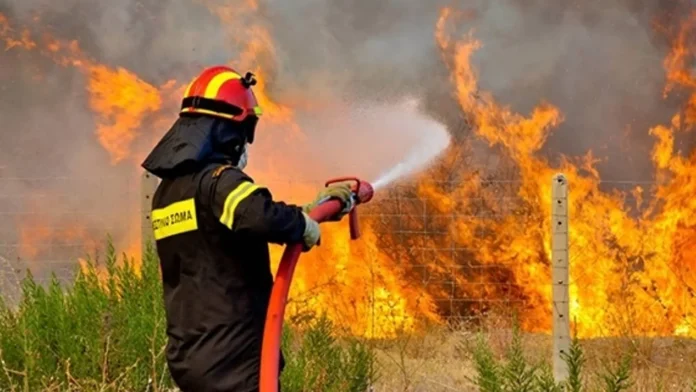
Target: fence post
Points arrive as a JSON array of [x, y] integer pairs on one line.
[[148, 185], [560, 275]]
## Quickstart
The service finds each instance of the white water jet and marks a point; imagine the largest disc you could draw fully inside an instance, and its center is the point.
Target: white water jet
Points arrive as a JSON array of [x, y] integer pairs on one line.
[[415, 160], [433, 141], [384, 140]]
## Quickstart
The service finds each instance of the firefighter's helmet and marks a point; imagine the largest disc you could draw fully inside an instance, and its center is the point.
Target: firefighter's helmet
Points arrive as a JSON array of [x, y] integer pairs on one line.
[[222, 92]]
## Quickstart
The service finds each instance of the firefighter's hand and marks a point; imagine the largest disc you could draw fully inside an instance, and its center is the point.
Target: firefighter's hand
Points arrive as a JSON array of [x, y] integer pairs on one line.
[[312, 233], [341, 191]]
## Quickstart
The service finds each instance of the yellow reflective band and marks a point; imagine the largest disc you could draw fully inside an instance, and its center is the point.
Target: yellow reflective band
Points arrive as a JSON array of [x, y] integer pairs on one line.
[[232, 201], [176, 218], [211, 91], [203, 111], [258, 111]]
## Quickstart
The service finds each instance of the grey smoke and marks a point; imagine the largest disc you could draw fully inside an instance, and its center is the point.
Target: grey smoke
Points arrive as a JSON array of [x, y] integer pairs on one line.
[[598, 61]]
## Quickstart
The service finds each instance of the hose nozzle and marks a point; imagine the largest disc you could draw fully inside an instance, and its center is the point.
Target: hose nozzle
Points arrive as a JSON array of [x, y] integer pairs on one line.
[[363, 190], [363, 193]]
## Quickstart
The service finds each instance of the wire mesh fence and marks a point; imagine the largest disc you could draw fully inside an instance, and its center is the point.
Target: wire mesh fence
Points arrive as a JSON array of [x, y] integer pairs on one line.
[[465, 251], [412, 268], [411, 230], [466, 255], [48, 224]]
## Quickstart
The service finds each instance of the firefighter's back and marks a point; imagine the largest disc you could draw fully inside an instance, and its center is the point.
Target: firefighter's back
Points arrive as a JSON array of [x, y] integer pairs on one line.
[[216, 284]]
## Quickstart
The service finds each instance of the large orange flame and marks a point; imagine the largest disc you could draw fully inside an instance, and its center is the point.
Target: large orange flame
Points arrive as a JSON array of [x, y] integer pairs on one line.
[[632, 270], [380, 305], [629, 275]]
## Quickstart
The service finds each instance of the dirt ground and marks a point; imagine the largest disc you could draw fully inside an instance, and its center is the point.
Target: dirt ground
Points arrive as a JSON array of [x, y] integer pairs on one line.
[[441, 361]]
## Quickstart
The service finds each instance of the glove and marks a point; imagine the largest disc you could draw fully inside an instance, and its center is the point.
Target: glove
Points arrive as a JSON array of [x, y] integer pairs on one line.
[[312, 233], [341, 191]]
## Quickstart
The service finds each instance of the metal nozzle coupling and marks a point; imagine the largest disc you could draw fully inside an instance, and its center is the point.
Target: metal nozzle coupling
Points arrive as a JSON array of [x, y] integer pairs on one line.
[[364, 191]]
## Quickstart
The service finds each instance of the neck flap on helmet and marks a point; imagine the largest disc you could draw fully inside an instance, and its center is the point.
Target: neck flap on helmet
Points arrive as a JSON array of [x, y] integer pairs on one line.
[[193, 142]]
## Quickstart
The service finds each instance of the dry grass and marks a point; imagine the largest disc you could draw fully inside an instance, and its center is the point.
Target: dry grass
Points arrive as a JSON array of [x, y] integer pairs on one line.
[[442, 360]]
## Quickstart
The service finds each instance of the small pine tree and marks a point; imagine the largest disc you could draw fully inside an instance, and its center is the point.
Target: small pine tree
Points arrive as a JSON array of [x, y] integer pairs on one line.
[[618, 378], [545, 381], [575, 359], [488, 373], [517, 374]]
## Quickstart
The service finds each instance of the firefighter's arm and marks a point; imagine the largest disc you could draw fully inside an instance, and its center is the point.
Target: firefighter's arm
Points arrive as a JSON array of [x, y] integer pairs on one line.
[[245, 207], [258, 214]]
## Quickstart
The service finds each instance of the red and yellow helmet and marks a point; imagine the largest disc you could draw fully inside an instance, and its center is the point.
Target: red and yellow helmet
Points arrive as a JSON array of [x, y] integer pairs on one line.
[[222, 92]]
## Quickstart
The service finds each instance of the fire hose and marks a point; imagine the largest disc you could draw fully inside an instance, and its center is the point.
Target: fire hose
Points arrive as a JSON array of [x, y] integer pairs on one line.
[[273, 330]]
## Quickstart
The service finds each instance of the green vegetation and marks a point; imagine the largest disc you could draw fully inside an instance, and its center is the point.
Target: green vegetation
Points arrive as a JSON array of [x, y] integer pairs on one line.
[[106, 332], [515, 373]]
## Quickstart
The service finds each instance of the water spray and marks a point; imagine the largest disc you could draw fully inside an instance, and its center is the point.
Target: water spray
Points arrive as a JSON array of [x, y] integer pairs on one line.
[[273, 330], [433, 144]]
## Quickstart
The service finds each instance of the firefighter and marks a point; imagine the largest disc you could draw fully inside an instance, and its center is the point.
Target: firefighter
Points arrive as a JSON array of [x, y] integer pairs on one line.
[[212, 226]]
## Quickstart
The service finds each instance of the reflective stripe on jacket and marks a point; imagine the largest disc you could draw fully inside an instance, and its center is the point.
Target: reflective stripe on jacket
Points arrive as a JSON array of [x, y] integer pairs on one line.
[[212, 230]]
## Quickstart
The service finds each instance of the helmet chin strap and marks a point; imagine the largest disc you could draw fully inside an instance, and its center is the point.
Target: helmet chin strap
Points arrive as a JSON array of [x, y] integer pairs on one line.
[[244, 158]]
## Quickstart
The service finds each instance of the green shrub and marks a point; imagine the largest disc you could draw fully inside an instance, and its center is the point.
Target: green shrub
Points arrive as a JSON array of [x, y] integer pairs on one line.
[[617, 378], [575, 359], [514, 372], [90, 334], [106, 332], [318, 362], [488, 370]]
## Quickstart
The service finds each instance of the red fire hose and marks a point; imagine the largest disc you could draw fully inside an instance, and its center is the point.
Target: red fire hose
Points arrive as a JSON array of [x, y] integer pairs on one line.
[[270, 351]]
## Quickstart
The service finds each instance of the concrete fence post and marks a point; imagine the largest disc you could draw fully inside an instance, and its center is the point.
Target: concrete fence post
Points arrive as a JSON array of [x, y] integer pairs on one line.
[[560, 275], [148, 185]]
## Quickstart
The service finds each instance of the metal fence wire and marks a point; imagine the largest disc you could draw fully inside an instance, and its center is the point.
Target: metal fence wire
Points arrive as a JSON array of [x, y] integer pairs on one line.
[[51, 223], [467, 253], [48, 224]]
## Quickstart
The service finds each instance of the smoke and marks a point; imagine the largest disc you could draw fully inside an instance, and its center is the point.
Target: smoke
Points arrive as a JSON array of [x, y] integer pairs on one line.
[[598, 61], [155, 39], [385, 141]]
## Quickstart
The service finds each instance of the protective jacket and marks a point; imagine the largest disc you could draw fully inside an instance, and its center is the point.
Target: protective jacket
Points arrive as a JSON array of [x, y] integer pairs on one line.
[[212, 225]]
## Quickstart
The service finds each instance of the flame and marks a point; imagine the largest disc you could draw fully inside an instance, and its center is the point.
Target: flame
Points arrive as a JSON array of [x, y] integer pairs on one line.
[[122, 100], [39, 237], [257, 55], [370, 298], [632, 253], [326, 279], [356, 285], [121, 103], [22, 40], [118, 97], [629, 275]]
